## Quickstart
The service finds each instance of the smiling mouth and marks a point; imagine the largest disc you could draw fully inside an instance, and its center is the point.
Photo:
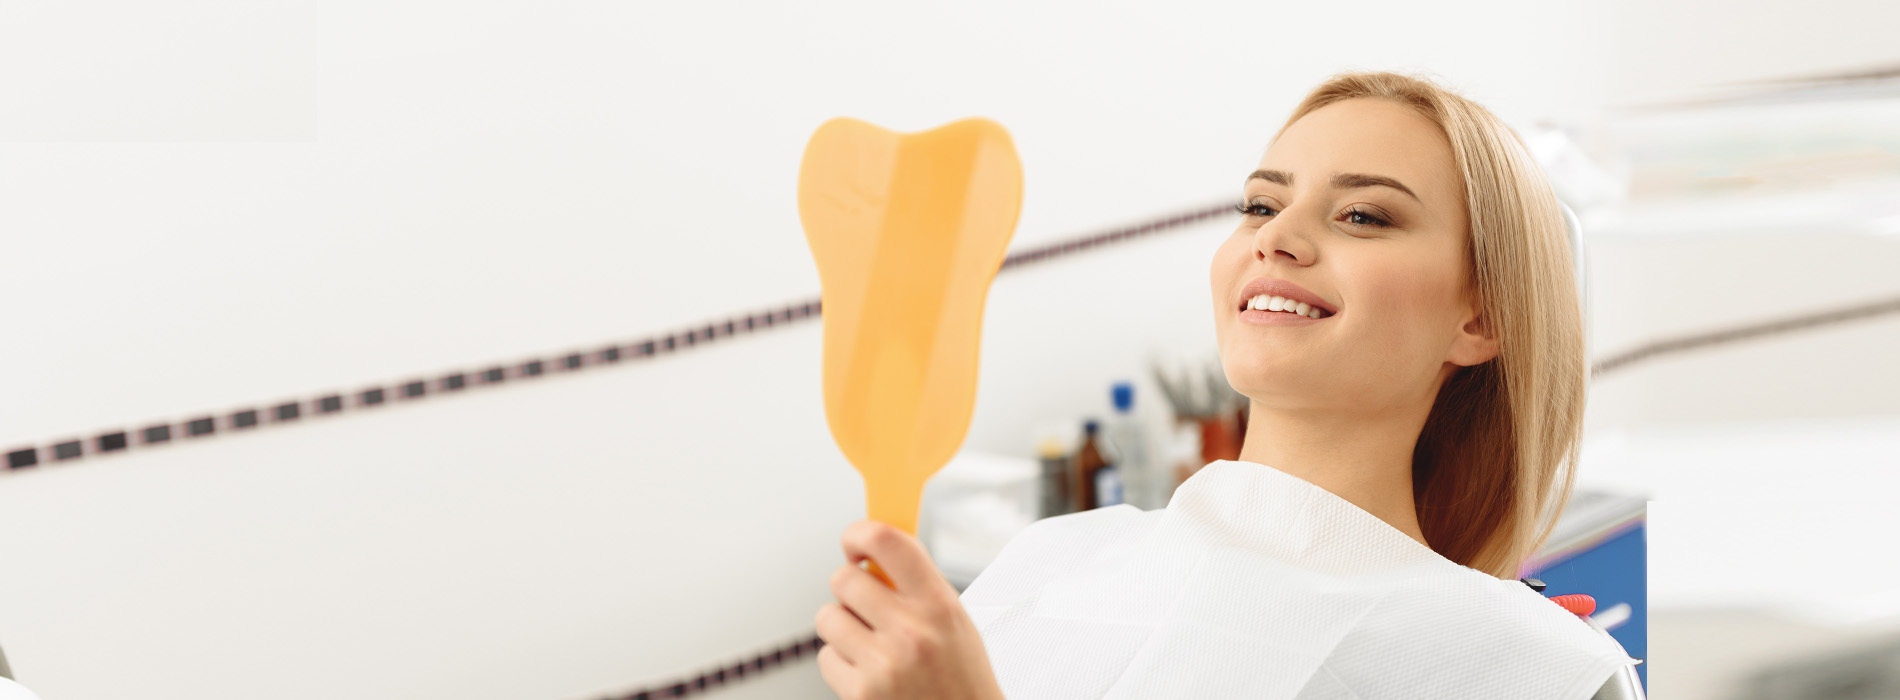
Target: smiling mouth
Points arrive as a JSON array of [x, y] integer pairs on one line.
[[1277, 304]]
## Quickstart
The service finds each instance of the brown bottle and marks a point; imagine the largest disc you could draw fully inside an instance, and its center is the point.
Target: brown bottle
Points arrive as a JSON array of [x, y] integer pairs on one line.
[[1088, 460]]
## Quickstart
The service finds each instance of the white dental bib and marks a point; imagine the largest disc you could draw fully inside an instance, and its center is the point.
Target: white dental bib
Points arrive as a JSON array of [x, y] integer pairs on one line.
[[1254, 583]]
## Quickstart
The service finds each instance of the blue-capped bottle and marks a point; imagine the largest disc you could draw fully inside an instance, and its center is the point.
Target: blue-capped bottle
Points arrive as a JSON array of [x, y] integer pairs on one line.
[[1126, 447]]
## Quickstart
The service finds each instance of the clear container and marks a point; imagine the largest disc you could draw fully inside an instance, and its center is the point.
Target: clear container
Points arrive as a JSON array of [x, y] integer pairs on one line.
[[1128, 447]]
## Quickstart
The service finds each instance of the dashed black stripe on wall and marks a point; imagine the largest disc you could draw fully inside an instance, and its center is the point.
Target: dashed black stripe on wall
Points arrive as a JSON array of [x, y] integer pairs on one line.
[[288, 412]]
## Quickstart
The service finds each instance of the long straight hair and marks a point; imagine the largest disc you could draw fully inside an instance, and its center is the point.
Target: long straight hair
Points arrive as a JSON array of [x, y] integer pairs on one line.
[[1495, 463]]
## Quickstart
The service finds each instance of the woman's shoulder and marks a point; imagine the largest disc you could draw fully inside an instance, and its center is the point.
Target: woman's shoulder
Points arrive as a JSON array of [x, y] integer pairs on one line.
[[1518, 616], [1488, 632], [1054, 546]]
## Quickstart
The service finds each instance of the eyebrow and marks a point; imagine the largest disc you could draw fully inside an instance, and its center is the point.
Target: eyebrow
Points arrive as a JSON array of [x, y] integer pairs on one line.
[[1341, 180]]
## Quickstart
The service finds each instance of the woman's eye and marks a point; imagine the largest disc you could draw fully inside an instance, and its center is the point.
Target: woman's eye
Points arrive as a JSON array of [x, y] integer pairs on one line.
[[1365, 218], [1254, 209]]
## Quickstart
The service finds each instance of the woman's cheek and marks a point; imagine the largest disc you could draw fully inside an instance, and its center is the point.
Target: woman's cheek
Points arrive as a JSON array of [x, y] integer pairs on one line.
[[1392, 304]]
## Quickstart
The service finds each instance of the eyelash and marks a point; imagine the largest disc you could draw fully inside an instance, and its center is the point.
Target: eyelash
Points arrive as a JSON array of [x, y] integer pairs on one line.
[[1246, 209]]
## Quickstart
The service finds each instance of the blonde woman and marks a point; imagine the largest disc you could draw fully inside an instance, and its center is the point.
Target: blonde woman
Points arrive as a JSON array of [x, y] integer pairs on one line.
[[1397, 301]]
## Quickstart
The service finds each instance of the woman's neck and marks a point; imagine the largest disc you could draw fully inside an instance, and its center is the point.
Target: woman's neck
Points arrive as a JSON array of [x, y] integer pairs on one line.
[[1366, 460]]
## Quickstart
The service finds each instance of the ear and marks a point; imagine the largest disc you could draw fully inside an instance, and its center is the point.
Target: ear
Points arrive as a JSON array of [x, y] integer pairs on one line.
[[1476, 340]]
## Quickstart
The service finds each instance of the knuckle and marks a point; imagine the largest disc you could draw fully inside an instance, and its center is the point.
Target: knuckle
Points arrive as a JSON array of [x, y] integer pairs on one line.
[[868, 535], [927, 647], [937, 611], [884, 537], [912, 646], [933, 611], [860, 531], [840, 579]]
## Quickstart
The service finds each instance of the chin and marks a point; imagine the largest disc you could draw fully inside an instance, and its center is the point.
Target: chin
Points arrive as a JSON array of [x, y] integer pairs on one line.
[[1257, 371]]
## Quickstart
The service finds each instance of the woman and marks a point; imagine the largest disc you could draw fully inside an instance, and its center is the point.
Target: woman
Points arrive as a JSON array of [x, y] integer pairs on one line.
[[1399, 306]]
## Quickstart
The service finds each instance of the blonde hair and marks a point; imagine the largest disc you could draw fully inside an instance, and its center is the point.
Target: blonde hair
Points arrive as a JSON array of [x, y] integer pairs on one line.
[[1495, 462]]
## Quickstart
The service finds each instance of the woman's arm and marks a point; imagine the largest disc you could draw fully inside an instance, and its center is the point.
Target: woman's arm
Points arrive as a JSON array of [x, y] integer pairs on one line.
[[911, 641]]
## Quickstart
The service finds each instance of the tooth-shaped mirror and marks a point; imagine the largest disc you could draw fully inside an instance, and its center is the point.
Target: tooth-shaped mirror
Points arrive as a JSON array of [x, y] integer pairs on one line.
[[908, 230]]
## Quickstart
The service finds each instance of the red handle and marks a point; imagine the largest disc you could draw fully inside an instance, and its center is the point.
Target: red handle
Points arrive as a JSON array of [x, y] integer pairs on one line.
[[1577, 603]]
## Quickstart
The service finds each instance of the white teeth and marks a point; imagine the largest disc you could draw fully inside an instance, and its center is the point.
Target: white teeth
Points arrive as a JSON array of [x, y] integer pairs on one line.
[[1267, 302]]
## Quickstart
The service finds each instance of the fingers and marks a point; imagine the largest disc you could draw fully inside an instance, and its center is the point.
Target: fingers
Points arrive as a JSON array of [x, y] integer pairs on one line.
[[900, 555], [838, 673], [844, 633], [912, 641], [864, 595]]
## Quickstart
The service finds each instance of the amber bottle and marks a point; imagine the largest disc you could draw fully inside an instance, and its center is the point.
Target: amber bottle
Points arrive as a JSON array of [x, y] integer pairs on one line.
[[1088, 460]]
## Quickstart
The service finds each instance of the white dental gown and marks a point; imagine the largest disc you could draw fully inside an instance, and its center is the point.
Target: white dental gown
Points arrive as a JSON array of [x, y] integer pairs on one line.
[[1254, 583]]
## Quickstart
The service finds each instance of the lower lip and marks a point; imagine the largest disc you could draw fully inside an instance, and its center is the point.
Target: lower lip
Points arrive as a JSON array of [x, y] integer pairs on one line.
[[1276, 318]]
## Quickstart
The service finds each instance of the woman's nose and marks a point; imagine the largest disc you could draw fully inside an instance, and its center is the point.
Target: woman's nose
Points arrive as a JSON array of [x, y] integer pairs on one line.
[[1282, 240]]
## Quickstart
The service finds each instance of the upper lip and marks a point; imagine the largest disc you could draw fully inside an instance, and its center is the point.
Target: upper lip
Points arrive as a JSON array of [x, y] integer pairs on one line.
[[1281, 288]]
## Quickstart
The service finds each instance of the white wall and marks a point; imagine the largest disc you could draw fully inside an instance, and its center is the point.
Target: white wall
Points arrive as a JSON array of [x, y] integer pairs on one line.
[[206, 206]]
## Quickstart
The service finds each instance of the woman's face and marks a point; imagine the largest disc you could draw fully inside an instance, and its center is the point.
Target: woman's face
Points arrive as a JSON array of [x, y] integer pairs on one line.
[[1357, 210]]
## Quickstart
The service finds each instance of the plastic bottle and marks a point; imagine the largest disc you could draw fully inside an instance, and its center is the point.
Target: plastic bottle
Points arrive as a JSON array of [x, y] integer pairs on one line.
[[1088, 460], [1128, 450], [1108, 486]]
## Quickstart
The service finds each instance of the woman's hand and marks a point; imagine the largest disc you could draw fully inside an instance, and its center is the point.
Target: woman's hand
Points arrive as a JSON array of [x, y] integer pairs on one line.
[[915, 642]]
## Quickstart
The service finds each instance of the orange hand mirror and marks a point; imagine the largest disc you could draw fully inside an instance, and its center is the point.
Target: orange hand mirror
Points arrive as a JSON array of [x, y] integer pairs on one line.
[[908, 230]]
